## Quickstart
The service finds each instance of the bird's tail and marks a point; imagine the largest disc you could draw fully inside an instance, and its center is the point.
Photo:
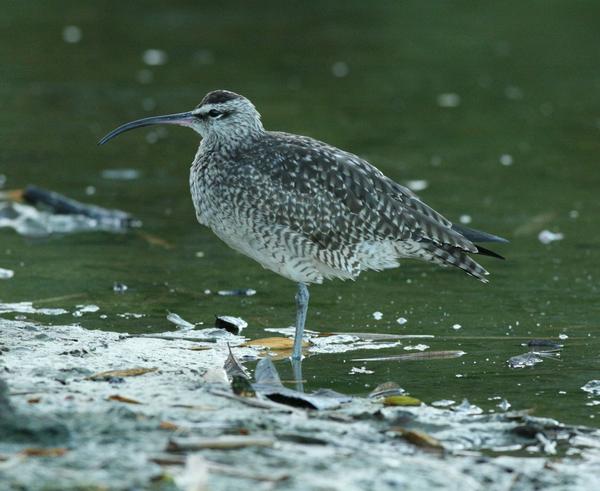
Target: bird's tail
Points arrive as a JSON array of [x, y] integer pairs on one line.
[[447, 255]]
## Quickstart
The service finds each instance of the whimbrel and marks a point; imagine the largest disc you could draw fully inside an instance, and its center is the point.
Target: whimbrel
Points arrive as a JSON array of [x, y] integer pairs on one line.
[[305, 209]]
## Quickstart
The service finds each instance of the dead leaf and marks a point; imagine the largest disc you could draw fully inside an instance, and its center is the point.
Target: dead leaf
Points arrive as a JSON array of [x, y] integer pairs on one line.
[[420, 439], [200, 348], [129, 372], [226, 442], [12, 195], [44, 452], [34, 400], [127, 400], [275, 343], [167, 425], [401, 401], [155, 240]]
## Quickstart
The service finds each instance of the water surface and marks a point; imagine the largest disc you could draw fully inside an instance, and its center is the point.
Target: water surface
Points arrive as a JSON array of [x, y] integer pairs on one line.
[[372, 79]]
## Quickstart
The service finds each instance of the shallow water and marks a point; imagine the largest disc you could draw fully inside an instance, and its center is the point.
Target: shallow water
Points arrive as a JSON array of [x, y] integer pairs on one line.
[[445, 93]]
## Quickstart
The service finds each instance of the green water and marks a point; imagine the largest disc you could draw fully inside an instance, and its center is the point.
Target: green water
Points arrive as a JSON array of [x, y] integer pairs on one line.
[[527, 76]]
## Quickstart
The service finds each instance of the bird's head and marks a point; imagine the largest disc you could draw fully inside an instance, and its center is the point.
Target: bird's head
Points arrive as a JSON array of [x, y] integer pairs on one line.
[[221, 115]]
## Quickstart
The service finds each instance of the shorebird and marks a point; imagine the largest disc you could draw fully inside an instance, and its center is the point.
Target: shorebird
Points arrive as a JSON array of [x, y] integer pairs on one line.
[[305, 209]]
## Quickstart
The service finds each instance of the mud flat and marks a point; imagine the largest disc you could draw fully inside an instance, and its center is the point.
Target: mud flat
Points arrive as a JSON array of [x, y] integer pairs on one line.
[[165, 417]]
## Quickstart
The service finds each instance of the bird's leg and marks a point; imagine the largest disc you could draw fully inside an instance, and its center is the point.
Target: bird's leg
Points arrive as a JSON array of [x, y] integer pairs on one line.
[[297, 368], [301, 308]]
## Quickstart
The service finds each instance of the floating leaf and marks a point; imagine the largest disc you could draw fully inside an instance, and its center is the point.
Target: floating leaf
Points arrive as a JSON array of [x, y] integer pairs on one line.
[[275, 343], [44, 452], [127, 400], [401, 401], [427, 355], [130, 372]]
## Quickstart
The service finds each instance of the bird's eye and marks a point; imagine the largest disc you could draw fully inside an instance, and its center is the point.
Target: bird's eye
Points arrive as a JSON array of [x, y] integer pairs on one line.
[[213, 113]]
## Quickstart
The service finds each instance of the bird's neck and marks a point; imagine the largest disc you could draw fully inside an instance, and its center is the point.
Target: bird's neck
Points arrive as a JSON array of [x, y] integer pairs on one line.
[[232, 141]]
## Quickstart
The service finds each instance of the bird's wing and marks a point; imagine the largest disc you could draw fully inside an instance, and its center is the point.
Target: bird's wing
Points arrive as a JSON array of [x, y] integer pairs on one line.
[[335, 198]]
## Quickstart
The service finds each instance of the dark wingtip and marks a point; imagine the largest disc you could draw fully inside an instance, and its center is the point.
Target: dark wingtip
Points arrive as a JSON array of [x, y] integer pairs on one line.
[[486, 252], [477, 235]]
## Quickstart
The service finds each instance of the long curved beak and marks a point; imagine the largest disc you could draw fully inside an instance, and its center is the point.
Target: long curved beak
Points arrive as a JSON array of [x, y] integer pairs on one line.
[[180, 119]]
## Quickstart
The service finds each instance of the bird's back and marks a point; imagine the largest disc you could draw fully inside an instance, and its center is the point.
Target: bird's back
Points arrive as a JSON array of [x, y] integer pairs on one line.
[[310, 211]]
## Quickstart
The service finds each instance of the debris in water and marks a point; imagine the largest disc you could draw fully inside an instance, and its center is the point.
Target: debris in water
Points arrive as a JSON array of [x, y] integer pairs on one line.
[[237, 373], [543, 343], [226, 442], [44, 452], [562, 337], [401, 401], [465, 219], [28, 308], [466, 407], [443, 403], [129, 372], [377, 316], [154, 57], [355, 370], [456, 327], [504, 405], [531, 358], [71, 34], [386, 389], [234, 325], [240, 292], [126, 400], [85, 309], [448, 100], [401, 320], [416, 347], [420, 439], [429, 355], [506, 159], [275, 342], [179, 322], [120, 174], [378, 336], [417, 185], [269, 384], [592, 387], [6, 274], [59, 214], [547, 237], [340, 69], [120, 287]]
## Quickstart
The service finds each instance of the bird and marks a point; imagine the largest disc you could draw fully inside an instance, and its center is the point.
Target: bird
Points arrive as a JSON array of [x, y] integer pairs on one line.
[[305, 209]]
